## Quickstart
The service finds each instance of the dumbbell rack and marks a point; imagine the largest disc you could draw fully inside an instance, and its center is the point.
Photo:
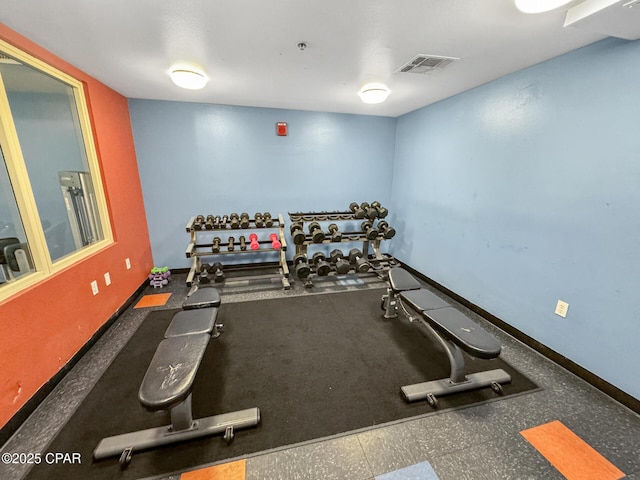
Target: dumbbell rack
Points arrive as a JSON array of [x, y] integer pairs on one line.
[[379, 261], [196, 250]]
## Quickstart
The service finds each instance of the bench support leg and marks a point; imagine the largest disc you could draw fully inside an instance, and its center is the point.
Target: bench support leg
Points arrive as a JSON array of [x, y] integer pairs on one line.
[[389, 304], [181, 418], [456, 358]]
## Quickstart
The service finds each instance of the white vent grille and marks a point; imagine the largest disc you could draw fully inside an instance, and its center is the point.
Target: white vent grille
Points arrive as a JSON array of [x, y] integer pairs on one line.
[[425, 64]]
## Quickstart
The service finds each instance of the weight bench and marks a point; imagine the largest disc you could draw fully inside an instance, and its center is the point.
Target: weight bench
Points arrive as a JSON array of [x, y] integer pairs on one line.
[[456, 333], [167, 386]]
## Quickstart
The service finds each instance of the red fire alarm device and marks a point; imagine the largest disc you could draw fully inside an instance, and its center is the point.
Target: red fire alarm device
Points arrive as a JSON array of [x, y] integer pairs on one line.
[[281, 129]]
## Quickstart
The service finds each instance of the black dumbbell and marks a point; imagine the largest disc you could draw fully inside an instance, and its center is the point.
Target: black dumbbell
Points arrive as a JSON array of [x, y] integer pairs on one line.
[[268, 221], [243, 243], [356, 210], [364, 206], [322, 266], [244, 220], [231, 246], [223, 221], [301, 265], [218, 274], [336, 234], [342, 265], [316, 232], [371, 232], [382, 212], [297, 234], [204, 273], [209, 222], [356, 258], [215, 246], [198, 224], [259, 221], [370, 211], [387, 231], [234, 220]]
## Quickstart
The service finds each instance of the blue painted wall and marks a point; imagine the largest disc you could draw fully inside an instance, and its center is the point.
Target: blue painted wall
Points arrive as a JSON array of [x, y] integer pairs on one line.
[[525, 191], [213, 159]]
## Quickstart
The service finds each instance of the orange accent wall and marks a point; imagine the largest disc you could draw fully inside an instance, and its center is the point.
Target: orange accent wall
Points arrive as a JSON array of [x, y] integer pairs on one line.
[[43, 327]]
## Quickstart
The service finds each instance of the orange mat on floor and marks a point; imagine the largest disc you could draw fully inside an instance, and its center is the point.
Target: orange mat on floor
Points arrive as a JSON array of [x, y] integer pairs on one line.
[[569, 454], [226, 471], [157, 300]]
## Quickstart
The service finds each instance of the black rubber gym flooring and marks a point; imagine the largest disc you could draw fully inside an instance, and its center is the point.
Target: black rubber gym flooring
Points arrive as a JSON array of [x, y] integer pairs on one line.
[[315, 365]]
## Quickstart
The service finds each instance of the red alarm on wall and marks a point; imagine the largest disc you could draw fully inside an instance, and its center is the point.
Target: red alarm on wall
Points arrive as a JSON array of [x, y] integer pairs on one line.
[[281, 129]]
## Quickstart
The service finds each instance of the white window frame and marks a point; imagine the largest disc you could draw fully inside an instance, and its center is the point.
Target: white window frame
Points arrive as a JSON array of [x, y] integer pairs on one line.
[[17, 169]]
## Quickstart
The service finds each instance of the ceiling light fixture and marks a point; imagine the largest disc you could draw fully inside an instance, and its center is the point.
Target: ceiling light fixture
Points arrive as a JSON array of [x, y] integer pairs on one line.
[[539, 6], [374, 93], [190, 79]]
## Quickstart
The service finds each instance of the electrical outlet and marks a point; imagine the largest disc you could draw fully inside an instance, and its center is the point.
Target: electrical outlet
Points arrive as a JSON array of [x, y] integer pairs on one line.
[[127, 262], [107, 279], [94, 287], [561, 308]]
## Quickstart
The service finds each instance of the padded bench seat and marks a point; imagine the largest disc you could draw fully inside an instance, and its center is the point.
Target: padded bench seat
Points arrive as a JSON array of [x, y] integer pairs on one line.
[[464, 332], [451, 323], [400, 280], [421, 300], [190, 322], [172, 370], [203, 297]]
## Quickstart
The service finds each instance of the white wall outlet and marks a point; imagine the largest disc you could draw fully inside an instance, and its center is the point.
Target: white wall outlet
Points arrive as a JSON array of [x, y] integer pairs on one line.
[[561, 308], [127, 262], [107, 279], [94, 287]]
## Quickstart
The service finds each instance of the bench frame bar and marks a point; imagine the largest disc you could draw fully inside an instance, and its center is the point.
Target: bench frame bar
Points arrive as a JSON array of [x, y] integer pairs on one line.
[[182, 428]]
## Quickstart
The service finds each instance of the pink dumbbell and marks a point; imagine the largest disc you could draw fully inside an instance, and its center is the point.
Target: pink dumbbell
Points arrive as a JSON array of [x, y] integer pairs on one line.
[[275, 243], [253, 238]]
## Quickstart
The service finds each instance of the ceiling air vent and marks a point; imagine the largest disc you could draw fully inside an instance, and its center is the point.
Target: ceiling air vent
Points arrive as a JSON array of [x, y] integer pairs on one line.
[[426, 64]]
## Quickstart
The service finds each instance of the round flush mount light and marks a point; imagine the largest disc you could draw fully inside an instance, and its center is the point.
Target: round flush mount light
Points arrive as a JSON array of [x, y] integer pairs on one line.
[[188, 78], [374, 93], [539, 6]]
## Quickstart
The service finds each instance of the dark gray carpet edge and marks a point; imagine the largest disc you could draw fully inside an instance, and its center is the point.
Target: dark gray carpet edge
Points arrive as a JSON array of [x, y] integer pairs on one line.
[[316, 365]]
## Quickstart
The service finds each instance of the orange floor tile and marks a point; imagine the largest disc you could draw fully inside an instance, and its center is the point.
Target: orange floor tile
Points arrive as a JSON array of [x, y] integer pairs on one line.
[[569, 454], [226, 471], [156, 300]]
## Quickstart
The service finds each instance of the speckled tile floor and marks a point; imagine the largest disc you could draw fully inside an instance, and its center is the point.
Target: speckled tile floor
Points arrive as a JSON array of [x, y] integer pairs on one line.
[[478, 442]]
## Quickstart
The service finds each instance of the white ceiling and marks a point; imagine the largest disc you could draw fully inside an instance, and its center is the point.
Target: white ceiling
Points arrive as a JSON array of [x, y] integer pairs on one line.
[[249, 50]]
